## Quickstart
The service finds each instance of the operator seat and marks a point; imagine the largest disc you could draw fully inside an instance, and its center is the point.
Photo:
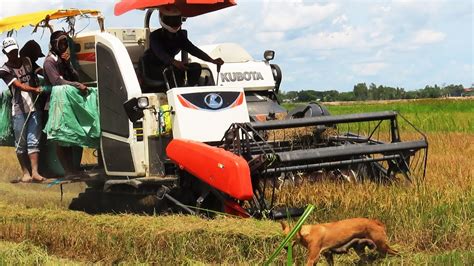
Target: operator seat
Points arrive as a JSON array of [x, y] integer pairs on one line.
[[150, 75]]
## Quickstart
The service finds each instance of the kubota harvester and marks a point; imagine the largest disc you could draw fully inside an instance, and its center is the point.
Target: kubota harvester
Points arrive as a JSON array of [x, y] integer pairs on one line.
[[225, 145]]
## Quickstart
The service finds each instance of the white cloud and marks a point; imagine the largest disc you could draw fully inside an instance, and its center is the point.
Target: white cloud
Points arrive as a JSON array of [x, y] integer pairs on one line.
[[300, 59], [270, 36], [428, 36], [422, 7], [330, 40], [11, 8], [340, 20], [284, 16], [384, 9], [368, 69]]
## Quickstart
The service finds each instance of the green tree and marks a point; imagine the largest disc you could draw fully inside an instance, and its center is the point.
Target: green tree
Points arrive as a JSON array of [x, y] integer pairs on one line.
[[306, 96], [373, 93], [361, 92], [431, 92], [331, 96], [453, 90], [346, 96]]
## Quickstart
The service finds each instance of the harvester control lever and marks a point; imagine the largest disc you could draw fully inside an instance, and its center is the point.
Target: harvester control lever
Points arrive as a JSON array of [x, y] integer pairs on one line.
[[218, 71]]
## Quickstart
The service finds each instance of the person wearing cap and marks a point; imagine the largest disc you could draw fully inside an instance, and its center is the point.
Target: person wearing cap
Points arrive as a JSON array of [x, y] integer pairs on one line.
[[167, 41], [19, 75], [59, 70], [32, 50]]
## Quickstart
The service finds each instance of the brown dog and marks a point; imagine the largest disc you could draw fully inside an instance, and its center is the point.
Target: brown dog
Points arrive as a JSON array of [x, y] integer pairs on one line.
[[340, 236]]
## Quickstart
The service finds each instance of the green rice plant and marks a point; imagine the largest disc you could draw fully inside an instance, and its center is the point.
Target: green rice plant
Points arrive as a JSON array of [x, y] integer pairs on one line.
[[454, 257], [429, 115]]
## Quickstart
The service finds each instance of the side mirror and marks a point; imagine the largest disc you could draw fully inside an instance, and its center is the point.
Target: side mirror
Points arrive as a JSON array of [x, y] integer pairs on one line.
[[269, 55], [134, 108]]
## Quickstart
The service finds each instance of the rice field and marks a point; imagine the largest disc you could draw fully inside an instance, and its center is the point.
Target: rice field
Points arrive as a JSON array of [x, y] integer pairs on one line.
[[430, 224], [429, 115]]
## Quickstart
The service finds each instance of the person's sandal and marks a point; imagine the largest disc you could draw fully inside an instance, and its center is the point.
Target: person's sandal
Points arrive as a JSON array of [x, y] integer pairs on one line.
[[38, 180], [16, 181]]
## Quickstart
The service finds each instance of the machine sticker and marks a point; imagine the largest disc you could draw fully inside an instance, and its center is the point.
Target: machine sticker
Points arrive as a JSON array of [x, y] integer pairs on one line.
[[241, 76], [213, 101], [89, 45], [89, 57]]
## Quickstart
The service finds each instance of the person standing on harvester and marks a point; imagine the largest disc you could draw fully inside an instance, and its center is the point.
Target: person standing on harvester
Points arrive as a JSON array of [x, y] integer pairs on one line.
[[57, 67], [58, 70], [20, 76], [168, 41], [32, 50]]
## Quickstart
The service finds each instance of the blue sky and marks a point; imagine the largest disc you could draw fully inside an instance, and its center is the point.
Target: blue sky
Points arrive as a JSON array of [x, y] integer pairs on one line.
[[324, 45]]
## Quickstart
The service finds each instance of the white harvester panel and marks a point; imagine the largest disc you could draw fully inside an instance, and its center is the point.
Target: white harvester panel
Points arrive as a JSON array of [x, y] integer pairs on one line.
[[240, 69], [250, 75], [205, 113]]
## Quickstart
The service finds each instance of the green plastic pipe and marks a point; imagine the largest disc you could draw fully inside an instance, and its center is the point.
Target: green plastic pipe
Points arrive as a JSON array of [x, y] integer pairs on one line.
[[290, 236]]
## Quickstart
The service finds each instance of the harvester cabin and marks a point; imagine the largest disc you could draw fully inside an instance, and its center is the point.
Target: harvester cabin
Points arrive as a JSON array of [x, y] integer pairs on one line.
[[136, 43]]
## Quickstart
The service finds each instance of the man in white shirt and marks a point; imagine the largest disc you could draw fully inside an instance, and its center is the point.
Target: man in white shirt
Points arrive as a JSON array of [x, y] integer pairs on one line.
[[20, 77]]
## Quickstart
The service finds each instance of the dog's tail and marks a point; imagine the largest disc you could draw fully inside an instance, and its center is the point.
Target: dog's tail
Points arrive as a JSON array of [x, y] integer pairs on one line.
[[387, 248], [384, 249], [392, 251]]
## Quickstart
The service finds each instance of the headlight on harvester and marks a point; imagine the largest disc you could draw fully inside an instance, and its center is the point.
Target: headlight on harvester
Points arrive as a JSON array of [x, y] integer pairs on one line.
[[143, 102], [134, 107]]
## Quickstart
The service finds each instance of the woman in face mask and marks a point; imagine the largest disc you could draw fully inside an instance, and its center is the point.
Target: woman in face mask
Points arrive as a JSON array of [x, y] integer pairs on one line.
[[59, 70], [57, 67], [167, 41]]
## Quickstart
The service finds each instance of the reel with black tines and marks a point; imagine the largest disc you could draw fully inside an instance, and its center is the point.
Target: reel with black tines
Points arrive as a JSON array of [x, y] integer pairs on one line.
[[347, 147]]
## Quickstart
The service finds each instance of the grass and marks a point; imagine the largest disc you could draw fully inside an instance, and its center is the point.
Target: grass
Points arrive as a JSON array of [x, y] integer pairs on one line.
[[430, 224], [30, 195], [138, 239], [26, 253]]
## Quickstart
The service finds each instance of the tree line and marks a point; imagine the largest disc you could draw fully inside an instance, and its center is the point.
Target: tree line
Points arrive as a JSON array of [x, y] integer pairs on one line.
[[362, 92]]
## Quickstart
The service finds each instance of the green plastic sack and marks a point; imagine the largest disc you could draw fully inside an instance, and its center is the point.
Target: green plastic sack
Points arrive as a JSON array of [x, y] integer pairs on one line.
[[6, 127], [73, 118]]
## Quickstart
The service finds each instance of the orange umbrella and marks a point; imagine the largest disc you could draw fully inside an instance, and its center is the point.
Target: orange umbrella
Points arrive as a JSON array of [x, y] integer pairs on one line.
[[188, 8]]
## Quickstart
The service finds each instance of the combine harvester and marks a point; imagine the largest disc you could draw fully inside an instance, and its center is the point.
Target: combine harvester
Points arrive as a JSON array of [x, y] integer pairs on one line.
[[226, 145]]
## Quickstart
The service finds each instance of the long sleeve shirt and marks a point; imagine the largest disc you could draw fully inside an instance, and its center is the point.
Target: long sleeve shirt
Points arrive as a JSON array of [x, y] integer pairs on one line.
[[59, 72], [164, 47]]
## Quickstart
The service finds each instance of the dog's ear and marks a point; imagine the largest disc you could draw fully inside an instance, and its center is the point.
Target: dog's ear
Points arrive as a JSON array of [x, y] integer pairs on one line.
[[285, 227]]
